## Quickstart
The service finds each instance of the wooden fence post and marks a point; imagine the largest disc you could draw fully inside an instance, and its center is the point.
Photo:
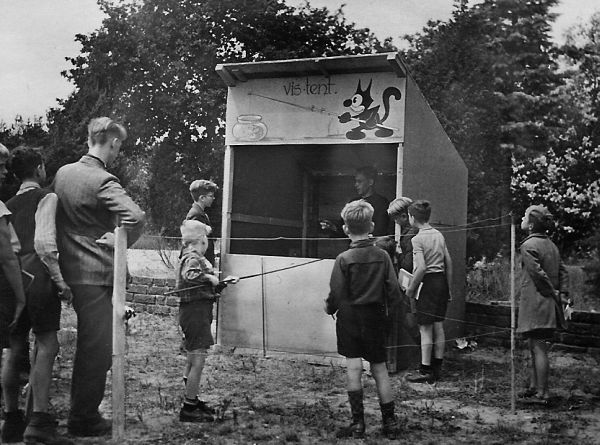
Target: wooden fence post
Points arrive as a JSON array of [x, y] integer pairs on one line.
[[512, 316], [118, 331]]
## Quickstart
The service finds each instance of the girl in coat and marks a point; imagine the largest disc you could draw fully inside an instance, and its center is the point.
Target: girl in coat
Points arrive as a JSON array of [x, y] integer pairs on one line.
[[543, 288]]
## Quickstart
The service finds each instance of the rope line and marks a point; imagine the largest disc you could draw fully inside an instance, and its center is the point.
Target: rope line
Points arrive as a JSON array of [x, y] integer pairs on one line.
[[287, 238], [175, 291]]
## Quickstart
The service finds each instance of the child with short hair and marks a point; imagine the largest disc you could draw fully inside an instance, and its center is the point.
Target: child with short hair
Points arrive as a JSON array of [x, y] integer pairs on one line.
[[432, 266], [362, 287], [203, 193], [196, 314], [543, 291]]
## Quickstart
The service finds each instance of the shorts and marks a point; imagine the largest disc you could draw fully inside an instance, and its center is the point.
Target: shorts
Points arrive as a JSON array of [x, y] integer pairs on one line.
[[546, 334], [433, 299], [361, 332], [195, 319]]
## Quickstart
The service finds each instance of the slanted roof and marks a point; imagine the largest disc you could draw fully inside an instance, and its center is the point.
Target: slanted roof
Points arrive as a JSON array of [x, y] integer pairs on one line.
[[232, 73]]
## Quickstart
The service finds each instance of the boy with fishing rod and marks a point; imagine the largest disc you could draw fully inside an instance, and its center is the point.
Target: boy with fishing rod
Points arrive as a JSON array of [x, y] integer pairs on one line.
[[197, 285]]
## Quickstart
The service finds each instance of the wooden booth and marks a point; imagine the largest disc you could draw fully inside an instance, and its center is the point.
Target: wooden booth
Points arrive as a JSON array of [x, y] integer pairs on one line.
[[296, 131]]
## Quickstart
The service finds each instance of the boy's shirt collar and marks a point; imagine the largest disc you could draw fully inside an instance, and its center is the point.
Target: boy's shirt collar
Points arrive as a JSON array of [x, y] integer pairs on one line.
[[535, 235], [362, 243]]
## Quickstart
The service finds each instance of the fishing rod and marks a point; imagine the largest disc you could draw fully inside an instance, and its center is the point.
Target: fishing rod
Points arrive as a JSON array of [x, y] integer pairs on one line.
[[227, 281], [315, 109]]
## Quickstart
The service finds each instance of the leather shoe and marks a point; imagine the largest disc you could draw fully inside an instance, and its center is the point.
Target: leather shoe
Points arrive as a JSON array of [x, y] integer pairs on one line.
[[89, 428]]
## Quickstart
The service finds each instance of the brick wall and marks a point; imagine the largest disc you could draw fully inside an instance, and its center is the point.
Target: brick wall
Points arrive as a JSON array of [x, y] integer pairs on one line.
[[582, 335], [148, 295]]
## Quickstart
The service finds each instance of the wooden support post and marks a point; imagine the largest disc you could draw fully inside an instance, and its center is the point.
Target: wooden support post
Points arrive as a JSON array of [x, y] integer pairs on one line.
[[118, 331], [264, 306], [512, 317]]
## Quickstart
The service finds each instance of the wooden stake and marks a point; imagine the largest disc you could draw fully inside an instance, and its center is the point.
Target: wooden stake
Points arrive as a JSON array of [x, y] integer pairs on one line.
[[264, 304], [512, 318], [118, 330]]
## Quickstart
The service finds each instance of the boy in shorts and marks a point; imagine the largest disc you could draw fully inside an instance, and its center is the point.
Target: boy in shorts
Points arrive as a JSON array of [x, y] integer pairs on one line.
[[432, 266], [196, 314], [362, 287], [33, 216]]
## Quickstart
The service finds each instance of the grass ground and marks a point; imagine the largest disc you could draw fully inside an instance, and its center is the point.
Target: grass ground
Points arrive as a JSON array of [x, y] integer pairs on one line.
[[288, 400]]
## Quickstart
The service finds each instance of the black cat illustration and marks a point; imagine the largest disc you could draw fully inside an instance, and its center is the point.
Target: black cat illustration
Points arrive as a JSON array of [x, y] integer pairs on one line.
[[368, 118]]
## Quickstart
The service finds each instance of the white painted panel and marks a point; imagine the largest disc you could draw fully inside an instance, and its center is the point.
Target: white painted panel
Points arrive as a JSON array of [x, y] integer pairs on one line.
[[294, 317], [305, 110]]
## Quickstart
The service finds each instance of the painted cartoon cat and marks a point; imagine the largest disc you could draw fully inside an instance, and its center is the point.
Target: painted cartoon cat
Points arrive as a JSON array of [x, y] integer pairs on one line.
[[368, 118]]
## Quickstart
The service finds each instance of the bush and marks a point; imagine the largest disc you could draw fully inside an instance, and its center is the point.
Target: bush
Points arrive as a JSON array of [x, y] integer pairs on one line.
[[489, 280]]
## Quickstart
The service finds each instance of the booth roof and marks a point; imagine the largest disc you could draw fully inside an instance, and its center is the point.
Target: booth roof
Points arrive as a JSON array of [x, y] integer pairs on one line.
[[232, 73]]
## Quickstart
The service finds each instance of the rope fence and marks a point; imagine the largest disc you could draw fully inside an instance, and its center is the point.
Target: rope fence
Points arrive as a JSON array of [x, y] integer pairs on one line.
[[492, 330]]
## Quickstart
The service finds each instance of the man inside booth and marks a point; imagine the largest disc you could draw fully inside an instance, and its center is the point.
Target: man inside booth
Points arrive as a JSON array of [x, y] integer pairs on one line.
[[365, 179]]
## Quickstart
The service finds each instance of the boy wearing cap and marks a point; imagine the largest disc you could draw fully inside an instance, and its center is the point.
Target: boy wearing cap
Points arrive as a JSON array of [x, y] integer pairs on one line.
[[203, 193], [196, 314]]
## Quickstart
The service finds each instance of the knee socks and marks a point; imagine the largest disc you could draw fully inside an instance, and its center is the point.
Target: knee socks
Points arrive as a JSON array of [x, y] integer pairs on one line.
[[356, 405]]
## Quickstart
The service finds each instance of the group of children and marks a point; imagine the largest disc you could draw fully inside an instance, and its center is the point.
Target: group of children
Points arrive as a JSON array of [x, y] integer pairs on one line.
[[364, 289]]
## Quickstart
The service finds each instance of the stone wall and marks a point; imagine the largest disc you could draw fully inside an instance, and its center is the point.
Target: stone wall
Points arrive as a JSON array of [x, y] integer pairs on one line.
[[490, 323], [582, 335], [148, 295]]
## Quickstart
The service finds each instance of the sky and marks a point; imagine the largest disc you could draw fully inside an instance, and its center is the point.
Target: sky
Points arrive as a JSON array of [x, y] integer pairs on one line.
[[37, 35]]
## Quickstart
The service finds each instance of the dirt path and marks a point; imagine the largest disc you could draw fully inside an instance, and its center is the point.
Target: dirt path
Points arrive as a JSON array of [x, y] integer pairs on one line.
[[286, 399]]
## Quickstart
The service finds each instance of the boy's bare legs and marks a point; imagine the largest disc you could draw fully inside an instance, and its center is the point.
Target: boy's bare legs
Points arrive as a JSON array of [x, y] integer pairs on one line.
[[382, 380], [354, 369], [425, 374], [194, 366], [195, 410], [10, 375], [14, 423], [41, 374], [42, 427], [426, 331]]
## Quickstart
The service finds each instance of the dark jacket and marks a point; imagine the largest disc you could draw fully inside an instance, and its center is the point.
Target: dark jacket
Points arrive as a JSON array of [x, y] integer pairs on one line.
[[405, 259], [543, 276], [362, 275], [193, 271]]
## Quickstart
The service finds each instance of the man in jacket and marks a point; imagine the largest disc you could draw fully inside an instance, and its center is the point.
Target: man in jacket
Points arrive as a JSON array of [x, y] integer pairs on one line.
[[91, 204]]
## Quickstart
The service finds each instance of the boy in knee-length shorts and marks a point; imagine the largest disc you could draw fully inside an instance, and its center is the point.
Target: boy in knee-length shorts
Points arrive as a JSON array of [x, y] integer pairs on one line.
[[432, 266], [363, 285], [196, 314]]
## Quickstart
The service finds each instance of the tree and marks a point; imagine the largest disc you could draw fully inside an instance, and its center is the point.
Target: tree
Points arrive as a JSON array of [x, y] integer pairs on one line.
[[152, 63], [582, 91], [489, 75], [568, 184]]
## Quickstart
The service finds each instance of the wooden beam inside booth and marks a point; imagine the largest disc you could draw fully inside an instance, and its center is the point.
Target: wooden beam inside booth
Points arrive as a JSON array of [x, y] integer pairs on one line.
[[265, 220]]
